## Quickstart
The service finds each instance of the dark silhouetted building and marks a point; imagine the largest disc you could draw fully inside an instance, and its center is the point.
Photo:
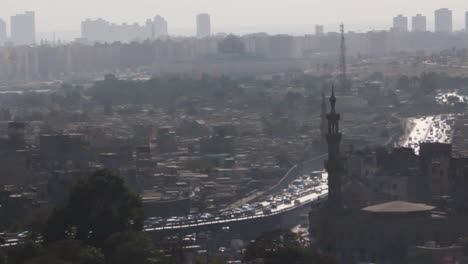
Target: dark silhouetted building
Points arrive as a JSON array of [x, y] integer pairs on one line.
[[350, 230], [459, 183], [16, 135], [334, 164], [63, 151], [166, 140], [219, 143], [431, 253], [142, 134], [143, 157], [23, 29], [323, 121]]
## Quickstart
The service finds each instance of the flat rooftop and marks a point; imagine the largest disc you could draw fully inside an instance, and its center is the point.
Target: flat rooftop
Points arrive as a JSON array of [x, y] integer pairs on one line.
[[398, 207]]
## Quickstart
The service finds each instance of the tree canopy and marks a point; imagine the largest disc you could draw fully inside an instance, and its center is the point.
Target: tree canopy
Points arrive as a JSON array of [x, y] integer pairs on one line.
[[131, 247], [162, 91], [283, 247], [97, 208], [68, 251]]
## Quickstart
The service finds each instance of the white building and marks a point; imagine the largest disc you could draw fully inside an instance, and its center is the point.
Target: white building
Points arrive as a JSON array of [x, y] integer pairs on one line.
[[419, 23], [23, 29], [443, 20]]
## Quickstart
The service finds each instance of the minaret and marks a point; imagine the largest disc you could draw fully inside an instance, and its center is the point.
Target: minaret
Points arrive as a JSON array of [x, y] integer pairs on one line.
[[334, 162], [323, 121]]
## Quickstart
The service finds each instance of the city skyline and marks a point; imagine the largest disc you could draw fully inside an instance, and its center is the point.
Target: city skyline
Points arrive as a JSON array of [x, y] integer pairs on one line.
[[225, 14]]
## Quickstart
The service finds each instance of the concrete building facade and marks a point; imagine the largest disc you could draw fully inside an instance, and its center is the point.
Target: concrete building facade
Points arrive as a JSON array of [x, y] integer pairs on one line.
[[3, 32], [203, 25], [23, 28], [419, 23], [400, 23], [443, 20]]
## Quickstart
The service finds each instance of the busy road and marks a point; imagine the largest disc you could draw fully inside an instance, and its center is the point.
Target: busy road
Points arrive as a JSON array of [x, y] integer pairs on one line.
[[308, 188], [429, 129]]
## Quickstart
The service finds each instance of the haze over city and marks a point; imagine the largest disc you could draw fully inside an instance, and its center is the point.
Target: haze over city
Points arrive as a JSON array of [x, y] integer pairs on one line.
[[241, 16], [234, 132]]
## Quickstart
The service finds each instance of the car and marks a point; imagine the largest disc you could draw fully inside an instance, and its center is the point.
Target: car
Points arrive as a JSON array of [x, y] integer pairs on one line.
[[206, 216]]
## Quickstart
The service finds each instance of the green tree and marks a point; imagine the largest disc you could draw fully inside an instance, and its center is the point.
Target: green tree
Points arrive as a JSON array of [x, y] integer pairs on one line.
[[97, 208], [3, 257], [429, 82], [21, 253], [210, 260], [131, 247], [283, 247], [403, 83], [68, 251]]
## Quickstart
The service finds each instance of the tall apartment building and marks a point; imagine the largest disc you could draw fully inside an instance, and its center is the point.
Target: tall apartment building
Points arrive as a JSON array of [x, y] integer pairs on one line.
[[160, 26], [419, 23], [400, 23], [203, 25], [3, 32], [23, 29], [443, 20], [466, 21]]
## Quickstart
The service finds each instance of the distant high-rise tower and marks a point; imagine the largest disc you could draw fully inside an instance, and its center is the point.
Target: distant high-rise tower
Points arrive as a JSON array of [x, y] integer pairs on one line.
[[400, 23], [3, 32], [23, 29], [443, 20], [160, 26], [334, 165], [466, 21], [419, 23], [343, 75], [96, 30], [203, 25], [319, 30]]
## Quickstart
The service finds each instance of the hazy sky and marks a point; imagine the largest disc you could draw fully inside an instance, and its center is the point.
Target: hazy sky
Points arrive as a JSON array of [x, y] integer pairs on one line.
[[66, 15]]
